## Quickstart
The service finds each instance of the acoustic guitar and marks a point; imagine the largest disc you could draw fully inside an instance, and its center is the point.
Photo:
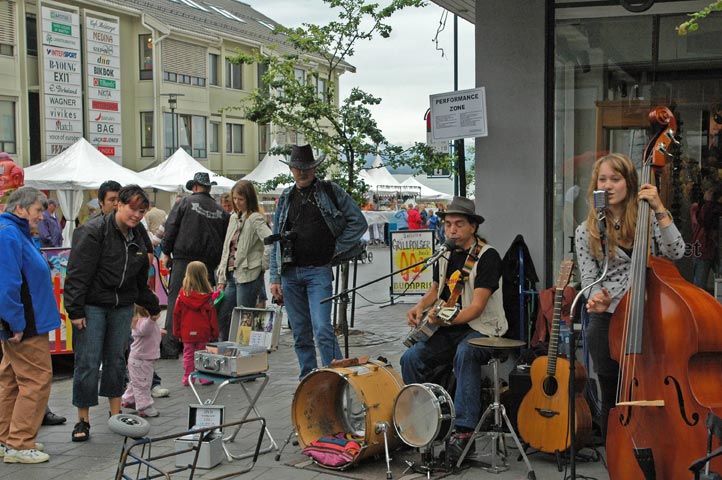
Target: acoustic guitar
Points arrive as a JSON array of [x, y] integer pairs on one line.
[[543, 416], [445, 311]]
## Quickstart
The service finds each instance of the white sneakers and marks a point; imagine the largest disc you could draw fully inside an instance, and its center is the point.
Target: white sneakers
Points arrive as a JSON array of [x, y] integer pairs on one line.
[[4, 448], [25, 456], [159, 392]]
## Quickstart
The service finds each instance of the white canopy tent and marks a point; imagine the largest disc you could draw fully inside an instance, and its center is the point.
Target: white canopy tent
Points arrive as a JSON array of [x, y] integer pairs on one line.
[[380, 180], [425, 193], [270, 167], [173, 174], [80, 167]]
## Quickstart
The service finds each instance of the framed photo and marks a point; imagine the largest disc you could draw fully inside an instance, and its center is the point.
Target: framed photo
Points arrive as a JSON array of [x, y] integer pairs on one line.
[[256, 326]]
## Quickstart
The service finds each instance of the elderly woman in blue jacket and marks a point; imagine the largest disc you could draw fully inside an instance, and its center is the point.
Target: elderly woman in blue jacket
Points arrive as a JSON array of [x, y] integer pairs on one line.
[[316, 224], [29, 312]]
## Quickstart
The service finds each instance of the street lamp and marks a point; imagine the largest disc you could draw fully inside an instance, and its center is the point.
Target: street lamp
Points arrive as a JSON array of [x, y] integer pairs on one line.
[[172, 104]]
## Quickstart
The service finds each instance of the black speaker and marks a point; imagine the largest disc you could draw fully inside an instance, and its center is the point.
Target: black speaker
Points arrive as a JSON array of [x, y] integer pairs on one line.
[[519, 385]]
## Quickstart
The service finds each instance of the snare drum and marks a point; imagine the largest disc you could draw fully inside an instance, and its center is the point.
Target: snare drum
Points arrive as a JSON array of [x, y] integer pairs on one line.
[[423, 414], [352, 400]]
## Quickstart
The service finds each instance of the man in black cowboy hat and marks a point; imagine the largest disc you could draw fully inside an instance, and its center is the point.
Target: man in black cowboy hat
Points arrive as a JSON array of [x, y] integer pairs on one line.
[[316, 223], [195, 230], [481, 314]]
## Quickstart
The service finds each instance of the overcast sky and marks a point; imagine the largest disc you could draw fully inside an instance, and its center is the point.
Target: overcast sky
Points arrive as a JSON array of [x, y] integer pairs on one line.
[[403, 69]]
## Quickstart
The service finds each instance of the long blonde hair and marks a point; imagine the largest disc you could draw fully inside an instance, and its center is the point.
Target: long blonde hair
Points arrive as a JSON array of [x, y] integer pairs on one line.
[[622, 165], [196, 279]]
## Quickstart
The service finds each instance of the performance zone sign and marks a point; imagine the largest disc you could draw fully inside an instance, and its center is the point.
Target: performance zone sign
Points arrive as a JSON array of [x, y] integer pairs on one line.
[[407, 248]]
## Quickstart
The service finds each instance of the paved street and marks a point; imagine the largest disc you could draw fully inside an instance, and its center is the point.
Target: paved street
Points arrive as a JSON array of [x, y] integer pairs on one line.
[[378, 332]]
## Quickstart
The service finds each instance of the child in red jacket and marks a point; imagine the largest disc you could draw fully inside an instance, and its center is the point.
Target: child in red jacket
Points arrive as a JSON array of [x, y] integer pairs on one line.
[[194, 318]]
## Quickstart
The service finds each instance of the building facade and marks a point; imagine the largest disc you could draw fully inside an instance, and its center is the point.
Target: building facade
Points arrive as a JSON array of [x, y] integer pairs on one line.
[[569, 80], [137, 78]]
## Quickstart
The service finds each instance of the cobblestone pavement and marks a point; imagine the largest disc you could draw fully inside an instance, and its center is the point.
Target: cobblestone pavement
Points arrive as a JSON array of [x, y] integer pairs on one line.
[[377, 332]]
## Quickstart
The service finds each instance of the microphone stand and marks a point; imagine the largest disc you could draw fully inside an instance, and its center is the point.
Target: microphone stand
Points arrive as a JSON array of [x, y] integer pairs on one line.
[[427, 262], [573, 355]]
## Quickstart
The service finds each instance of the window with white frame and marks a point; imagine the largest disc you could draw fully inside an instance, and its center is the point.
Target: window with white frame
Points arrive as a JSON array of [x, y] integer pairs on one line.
[[147, 136], [213, 69], [234, 138], [145, 47], [321, 88], [214, 137], [234, 75], [8, 142], [300, 75]]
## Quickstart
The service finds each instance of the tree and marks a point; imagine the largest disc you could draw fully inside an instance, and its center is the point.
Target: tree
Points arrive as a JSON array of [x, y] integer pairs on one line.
[[691, 25], [347, 131], [306, 105]]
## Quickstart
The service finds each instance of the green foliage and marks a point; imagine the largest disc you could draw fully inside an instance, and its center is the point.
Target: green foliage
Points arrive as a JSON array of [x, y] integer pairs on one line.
[[346, 132], [691, 25]]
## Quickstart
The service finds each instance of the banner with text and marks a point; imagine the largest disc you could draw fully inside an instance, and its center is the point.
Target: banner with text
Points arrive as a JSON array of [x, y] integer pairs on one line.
[[102, 46], [62, 78], [407, 248]]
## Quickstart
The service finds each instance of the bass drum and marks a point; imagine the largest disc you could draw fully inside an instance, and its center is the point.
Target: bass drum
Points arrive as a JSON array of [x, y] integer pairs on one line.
[[424, 414], [348, 399]]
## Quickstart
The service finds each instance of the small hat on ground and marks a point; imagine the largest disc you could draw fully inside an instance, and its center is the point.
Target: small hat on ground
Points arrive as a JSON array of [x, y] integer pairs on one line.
[[200, 178], [302, 158], [462, 206]]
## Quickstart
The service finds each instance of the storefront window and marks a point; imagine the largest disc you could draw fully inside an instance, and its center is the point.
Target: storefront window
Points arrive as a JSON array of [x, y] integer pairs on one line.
[[609, 73]]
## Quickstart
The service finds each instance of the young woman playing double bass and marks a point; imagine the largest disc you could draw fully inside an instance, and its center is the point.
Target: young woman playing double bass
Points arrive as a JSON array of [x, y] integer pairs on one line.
[[615, 173]]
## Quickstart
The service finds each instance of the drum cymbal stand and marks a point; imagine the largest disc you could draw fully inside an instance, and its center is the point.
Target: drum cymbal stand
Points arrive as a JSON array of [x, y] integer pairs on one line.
[[497, 430], [384, 427]]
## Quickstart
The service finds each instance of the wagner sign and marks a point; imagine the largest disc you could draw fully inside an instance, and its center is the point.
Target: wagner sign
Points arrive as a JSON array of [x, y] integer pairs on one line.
[[407, 248]]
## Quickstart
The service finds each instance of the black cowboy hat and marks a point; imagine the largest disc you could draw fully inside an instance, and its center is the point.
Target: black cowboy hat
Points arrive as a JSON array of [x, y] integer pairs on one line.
[[200, 178], [462, 206], [302, 158]]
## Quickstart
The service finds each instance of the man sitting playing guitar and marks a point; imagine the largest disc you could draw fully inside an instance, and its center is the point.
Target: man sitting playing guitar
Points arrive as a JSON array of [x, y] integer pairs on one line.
[[481, 314]]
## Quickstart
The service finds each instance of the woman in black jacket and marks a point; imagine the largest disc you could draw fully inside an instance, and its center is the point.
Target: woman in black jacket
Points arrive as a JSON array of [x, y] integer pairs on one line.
[[107, 274]]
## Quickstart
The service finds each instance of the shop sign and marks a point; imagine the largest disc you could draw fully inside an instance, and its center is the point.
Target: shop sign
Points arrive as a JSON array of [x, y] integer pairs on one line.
[[100, 116], [104, 93], [62, 78]]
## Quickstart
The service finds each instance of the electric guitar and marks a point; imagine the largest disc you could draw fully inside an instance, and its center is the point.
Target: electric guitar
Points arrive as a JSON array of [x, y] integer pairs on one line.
[[446, 311], [543, 417]]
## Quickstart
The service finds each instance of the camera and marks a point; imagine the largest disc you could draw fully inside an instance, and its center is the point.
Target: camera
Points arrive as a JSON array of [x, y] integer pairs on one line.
[[288, 254]]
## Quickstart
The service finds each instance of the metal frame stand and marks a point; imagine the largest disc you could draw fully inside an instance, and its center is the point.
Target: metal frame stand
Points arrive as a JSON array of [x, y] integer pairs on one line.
[[251, 406], [497, 432]]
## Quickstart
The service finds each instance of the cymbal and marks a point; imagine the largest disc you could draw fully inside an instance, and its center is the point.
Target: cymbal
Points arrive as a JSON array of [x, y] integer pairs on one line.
[[496, 342]]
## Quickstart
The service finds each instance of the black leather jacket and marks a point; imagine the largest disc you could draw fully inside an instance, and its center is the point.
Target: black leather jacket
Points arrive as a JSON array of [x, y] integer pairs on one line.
[[107, 271]]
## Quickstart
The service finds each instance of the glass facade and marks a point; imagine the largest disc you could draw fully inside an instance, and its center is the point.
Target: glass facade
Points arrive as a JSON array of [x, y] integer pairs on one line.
[[610, 71]]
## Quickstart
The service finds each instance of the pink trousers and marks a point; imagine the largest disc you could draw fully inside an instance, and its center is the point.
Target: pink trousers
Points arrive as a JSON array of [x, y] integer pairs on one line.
[[141, 379], [189, 350]]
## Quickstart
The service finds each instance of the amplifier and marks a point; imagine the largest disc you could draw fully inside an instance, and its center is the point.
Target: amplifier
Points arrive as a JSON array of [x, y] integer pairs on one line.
[[519, 385]]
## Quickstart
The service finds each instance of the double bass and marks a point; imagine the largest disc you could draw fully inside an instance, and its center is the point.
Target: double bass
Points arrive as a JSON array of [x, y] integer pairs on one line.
[[666, 335]]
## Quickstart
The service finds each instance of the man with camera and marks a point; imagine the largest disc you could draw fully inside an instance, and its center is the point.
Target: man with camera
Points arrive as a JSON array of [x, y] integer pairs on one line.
[[316, 224]]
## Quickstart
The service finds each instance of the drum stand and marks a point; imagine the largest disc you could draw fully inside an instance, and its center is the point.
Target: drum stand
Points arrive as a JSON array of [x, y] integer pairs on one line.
[[497, 431]]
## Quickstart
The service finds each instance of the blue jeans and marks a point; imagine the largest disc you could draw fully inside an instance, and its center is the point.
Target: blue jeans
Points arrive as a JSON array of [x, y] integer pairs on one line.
[[303, 290], [701, 269], [103, 339], [237, 295], [450, 344]]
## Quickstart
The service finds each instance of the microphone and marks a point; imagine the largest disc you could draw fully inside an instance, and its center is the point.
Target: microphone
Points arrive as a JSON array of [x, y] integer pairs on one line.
[[447, 246], [601, 202]]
